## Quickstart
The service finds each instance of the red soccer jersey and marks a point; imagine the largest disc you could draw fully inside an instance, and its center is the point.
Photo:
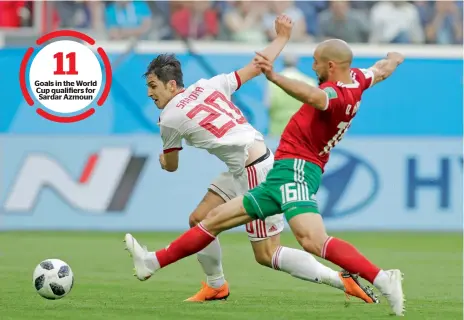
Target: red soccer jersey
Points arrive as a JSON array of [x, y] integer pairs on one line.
[[311, 133]]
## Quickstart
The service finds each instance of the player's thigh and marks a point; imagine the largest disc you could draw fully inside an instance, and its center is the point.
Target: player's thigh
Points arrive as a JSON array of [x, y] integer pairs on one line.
[[295, 183], [283, 189], [226, 216], [310, 232], [260, 204], [221, 190], [210, 201], [300, 182], [259, 230], [225, 186]]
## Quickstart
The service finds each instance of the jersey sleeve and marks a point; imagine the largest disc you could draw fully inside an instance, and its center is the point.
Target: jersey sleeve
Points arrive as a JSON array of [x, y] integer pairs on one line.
[[333, 100], [367, 78], [226, 83], [172, 139]]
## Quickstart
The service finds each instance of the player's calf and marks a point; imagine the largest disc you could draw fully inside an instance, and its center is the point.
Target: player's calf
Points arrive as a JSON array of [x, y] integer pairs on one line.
[[310, 232], [210, 258], [265, 250]]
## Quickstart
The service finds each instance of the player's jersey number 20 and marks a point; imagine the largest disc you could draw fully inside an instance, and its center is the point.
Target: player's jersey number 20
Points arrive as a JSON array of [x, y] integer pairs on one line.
[[215, 106]]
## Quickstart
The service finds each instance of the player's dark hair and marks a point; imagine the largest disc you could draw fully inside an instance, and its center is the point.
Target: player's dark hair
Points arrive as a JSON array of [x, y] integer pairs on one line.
[[166, 67]]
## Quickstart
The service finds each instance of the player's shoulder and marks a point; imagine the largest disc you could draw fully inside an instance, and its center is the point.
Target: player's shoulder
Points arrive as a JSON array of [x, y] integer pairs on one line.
[[200, 82], [362, 74], [331, 89], [213, 81], [170, 117], [222, 80]]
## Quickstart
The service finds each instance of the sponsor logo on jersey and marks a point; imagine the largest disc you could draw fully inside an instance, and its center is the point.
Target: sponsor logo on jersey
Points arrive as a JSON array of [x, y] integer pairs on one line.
[[349, 184], [106, 182]]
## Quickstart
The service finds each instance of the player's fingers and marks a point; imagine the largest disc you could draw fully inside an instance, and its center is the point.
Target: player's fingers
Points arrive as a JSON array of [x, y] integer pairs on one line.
[[259, 66], [262, 55], [263, 63], [257, 61], [264, 67], [258, 57]]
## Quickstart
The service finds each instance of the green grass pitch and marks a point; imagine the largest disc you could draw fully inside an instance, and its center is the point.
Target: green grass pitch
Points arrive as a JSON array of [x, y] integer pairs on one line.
[[105, 288]]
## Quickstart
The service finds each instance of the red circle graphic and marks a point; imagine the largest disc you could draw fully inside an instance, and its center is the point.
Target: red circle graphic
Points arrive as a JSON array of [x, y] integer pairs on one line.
[[71, 34]]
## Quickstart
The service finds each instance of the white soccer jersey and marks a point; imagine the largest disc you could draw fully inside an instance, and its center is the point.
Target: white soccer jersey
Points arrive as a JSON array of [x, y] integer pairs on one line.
[[205, 117]]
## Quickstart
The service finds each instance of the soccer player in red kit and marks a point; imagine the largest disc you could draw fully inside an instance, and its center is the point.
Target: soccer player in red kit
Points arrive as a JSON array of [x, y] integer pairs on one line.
[[291, 185]]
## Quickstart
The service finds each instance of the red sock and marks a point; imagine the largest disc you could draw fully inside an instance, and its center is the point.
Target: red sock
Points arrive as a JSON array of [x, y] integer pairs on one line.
[[349, 258], [190, 242]]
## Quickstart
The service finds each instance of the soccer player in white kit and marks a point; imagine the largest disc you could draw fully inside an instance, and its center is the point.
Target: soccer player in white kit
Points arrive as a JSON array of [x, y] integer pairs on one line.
[[204, 116]]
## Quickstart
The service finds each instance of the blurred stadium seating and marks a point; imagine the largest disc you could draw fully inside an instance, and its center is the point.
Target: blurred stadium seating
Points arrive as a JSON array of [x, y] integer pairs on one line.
[[430, 22]]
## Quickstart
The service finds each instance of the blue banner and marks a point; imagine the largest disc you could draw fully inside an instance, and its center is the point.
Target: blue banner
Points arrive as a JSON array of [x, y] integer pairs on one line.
[[115, 183], [424, 97]]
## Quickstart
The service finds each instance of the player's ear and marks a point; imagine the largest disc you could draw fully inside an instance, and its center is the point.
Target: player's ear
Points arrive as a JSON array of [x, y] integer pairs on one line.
[[172, 86], [331, 64]]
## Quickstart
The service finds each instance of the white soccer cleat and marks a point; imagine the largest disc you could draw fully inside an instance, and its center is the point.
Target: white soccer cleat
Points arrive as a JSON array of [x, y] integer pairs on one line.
[[393, 291], [139, 257]]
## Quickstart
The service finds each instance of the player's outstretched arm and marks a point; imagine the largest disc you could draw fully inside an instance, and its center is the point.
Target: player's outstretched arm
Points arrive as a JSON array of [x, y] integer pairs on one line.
[[384, 68], [299, 90], [283, 26]]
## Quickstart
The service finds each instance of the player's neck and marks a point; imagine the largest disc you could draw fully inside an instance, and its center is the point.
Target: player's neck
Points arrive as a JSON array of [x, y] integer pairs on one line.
[[177, 92], [343, 78]]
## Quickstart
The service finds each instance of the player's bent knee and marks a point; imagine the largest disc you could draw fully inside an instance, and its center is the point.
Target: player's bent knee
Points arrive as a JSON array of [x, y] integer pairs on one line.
[[197, 216], [212, 223], [194, 219], [210, 201]]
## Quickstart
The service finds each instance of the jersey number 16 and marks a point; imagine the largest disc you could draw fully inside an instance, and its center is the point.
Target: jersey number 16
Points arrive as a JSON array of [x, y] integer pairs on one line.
[[217, 105]]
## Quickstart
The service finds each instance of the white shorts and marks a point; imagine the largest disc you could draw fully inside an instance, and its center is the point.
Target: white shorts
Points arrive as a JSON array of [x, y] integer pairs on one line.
[[228, 187]]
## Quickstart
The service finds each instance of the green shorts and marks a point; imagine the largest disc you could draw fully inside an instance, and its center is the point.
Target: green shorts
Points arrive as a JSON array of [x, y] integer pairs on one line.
[[290, 188]]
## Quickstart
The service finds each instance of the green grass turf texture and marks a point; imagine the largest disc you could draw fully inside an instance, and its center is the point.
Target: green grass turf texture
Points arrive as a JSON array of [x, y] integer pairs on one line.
[[105, 288]]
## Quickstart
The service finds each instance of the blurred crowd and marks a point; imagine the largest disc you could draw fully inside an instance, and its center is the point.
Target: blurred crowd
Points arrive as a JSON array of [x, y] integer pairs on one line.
[[434, 22]]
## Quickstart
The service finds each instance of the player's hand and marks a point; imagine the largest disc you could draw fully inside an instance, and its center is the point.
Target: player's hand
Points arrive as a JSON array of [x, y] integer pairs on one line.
[[162, 161], [396, 56], [283, 26], [265, 65]]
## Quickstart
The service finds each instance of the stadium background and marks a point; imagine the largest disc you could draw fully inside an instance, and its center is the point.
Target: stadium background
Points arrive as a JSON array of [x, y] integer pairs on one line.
[[399, 168]]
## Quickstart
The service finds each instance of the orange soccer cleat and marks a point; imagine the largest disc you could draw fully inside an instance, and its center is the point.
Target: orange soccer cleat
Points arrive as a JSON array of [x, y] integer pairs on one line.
[[355, 289], [207, 293]]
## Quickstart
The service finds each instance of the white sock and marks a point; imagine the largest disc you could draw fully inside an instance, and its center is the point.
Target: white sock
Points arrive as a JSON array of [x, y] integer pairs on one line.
[[381, 280], [210, 260], [303, 265]]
